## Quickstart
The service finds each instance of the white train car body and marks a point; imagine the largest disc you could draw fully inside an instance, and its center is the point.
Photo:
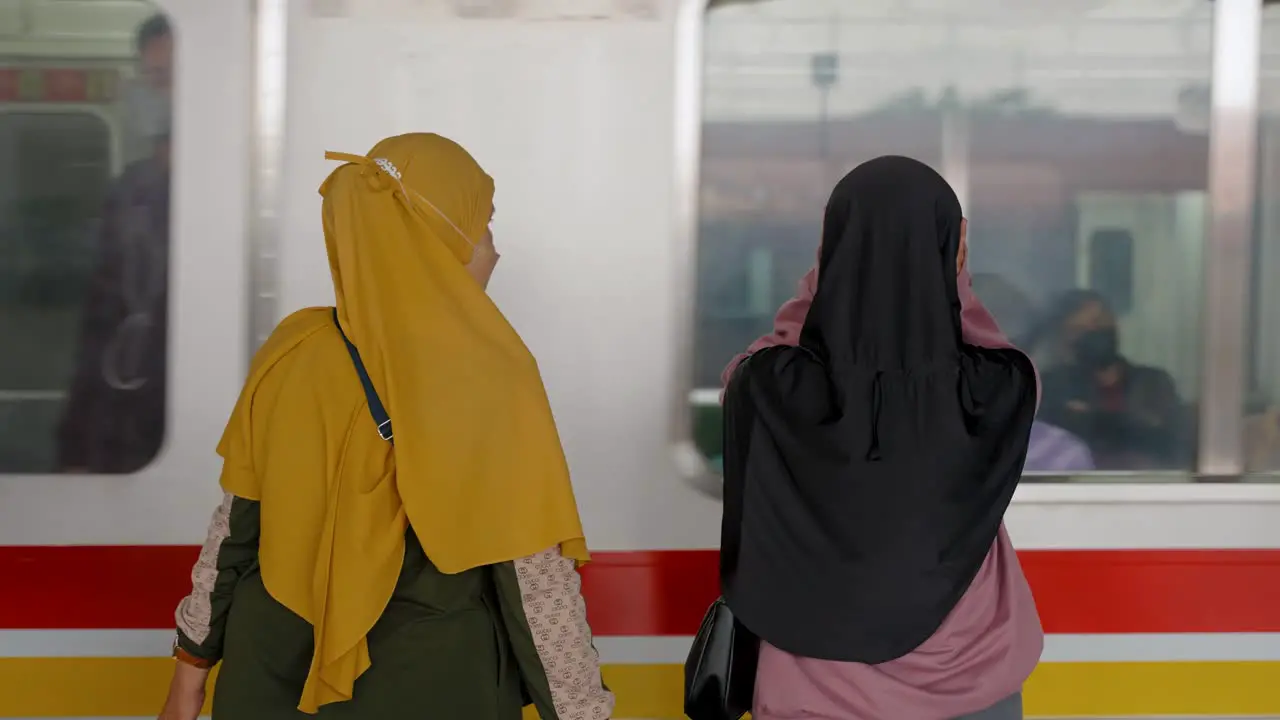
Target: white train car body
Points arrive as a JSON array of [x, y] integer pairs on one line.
[[1161, 596]]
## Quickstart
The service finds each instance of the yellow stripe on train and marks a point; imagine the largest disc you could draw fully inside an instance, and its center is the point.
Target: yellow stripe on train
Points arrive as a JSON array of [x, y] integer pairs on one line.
[[104, 687]]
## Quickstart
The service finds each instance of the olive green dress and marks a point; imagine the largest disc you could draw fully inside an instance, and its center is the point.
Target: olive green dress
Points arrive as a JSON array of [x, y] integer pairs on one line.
[[478, 645]]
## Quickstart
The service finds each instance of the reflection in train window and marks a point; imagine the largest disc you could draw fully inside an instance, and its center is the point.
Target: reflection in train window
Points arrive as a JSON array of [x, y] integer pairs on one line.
[[84, 239], [1061, 130], [1262, 398]]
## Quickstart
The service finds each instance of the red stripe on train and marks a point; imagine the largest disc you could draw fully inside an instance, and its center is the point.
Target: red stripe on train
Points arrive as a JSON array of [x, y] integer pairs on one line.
[[666, 592]]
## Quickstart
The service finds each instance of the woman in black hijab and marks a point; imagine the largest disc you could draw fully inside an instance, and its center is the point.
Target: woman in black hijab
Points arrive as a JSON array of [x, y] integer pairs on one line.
[[867, 471]]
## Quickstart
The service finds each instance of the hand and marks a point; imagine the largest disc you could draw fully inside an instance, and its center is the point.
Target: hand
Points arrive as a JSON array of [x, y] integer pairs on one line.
[[186, 693]]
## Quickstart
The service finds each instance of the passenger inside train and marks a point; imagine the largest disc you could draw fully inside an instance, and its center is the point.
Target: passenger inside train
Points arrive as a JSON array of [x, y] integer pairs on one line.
[[1129, 414], [869, 461], [113, 420]]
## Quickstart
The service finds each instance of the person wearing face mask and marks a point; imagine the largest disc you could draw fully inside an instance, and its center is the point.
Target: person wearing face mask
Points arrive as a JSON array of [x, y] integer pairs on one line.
[[1129, 414], [398, 535]]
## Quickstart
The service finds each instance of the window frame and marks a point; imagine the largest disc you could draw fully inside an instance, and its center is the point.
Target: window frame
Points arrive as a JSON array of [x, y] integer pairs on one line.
[[112, 123], [221, 106], [1220, 473]]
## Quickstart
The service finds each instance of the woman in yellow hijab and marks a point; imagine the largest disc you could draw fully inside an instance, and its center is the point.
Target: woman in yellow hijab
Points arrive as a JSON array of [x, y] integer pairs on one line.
[[398, 537]]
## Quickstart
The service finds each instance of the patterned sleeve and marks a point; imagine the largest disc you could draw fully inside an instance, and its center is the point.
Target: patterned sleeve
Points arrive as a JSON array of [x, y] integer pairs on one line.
[[230, 550], [542, 605]]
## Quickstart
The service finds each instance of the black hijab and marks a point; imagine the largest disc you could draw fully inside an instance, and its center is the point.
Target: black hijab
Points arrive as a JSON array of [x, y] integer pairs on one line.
[[867, 471]]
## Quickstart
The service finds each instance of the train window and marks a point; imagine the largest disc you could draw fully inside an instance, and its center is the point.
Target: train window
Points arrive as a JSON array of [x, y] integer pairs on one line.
[[1076, 136], [1262, 410], [84, 239]]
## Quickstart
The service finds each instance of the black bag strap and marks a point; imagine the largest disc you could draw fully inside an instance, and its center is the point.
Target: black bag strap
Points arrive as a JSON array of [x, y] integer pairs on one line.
[[376, 409]]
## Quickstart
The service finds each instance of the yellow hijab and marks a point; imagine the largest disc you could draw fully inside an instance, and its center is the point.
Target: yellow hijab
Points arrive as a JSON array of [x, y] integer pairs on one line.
[[476, 469]]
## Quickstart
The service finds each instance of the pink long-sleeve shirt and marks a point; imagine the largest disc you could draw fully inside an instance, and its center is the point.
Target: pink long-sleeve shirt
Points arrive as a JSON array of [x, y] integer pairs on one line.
[[983, 652]]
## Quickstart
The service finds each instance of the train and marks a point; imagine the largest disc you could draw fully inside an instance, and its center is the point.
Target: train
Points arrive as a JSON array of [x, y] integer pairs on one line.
[[661, 168]]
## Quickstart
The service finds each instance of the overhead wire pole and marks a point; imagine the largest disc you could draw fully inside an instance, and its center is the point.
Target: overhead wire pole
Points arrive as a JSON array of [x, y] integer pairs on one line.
[[824, 72], [954, 143], [955, 149]]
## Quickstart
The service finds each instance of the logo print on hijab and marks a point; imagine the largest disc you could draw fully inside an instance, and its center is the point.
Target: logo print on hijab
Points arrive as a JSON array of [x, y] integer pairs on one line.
[[390, 168]]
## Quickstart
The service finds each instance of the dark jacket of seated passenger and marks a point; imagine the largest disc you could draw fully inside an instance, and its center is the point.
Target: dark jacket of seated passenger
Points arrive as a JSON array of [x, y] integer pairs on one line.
[[1132, 423]]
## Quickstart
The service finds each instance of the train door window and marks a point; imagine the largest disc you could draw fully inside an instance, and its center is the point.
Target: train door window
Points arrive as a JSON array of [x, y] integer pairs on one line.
[[1111, 266], [1074, 140], [84, 233], [1262, 399]]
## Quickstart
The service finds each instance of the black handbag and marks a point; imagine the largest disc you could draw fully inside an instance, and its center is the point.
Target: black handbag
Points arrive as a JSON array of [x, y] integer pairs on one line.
[[720, 674]]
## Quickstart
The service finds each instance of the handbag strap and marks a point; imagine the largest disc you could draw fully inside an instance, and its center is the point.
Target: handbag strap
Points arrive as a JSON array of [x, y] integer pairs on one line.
[[376, 409]]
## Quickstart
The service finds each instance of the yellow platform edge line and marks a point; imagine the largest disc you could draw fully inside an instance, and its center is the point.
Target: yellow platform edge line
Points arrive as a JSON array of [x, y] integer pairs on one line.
[[106, 687]]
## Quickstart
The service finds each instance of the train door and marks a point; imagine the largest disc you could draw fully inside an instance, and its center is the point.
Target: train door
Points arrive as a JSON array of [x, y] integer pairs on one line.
[[124, 172]]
